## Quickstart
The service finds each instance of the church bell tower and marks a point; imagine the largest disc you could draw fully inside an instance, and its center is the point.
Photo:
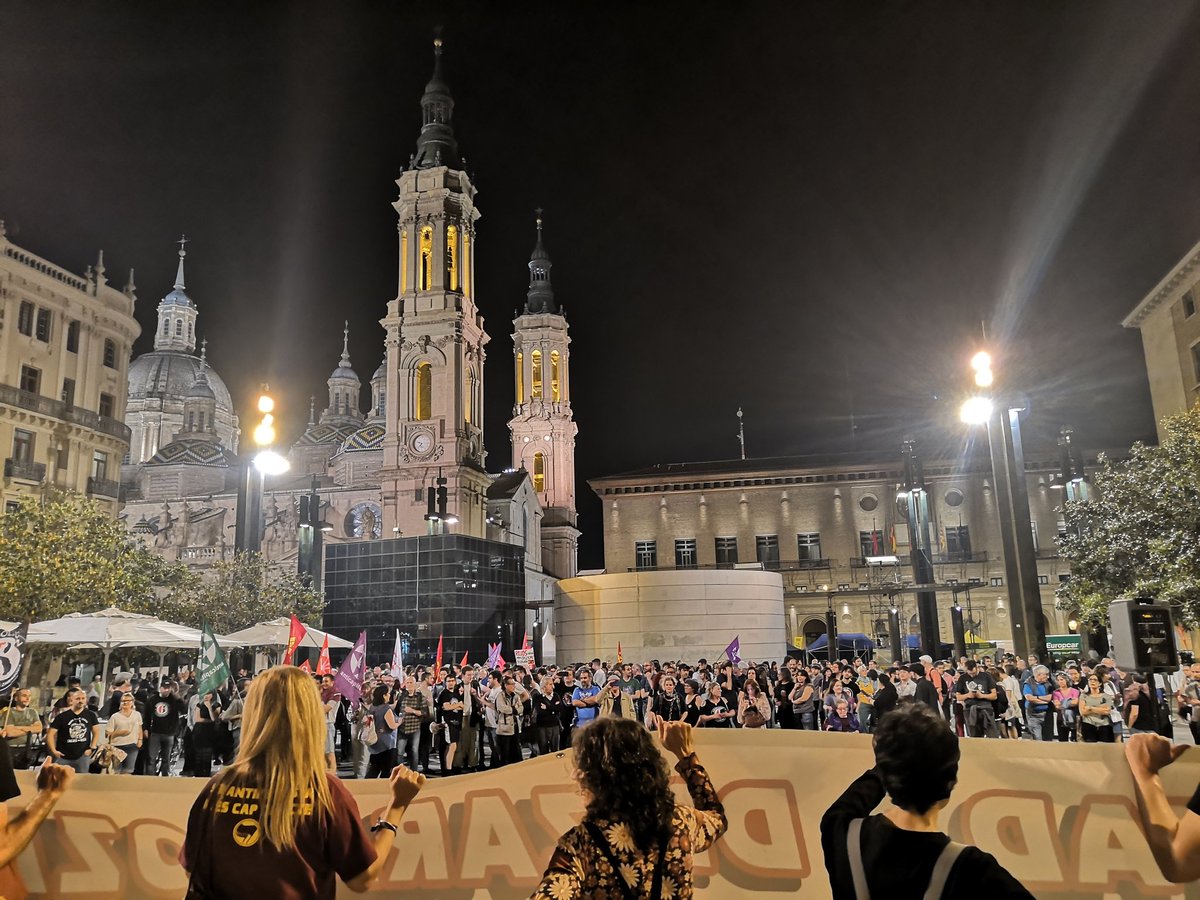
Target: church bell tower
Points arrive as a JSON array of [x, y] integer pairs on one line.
[[434, 335]]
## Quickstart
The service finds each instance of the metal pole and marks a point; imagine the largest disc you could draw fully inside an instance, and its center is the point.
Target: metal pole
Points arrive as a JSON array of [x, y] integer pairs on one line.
[[894, 630], [249, 524], [920, 553], [1003, 494], [1031, 592], [831, 632], [960, 635]]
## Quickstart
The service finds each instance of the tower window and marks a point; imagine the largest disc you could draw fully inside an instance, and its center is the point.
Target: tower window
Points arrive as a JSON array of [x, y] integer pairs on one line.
[[466, 262], [191, 425], [166, 327], [452, 257], [403, 259], [73, 337], [426, 273], [554, 393], [536, 391], [110, 353], [423, 394], [25, 318], [520, 377], [539, 472], [179, 328], [191, 330], [201, 418]]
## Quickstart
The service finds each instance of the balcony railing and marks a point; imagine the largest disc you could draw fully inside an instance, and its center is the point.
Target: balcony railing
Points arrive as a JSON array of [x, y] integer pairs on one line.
[[104, 488], [19, 470], [57, 409], [960, 556]]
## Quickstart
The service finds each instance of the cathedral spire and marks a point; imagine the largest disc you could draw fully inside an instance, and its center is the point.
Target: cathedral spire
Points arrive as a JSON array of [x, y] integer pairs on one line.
[[345, 360], [540, 298], [436, 145], [179, 285]]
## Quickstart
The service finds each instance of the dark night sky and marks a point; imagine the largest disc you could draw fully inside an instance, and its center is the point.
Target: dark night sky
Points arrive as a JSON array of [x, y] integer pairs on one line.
[[801, 209]]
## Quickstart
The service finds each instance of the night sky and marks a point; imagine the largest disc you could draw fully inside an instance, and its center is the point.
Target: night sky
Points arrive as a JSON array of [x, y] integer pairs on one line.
[[809, 211]]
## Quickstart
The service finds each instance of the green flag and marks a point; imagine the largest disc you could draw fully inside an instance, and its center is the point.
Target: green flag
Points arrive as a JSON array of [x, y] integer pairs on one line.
[[211, 670]]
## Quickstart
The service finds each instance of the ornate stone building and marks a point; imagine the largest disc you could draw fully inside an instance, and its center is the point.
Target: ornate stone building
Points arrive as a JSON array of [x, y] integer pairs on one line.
[[65, 341]]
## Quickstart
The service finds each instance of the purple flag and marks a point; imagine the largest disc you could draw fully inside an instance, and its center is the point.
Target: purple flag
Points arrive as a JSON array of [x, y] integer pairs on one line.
[[349, 678], [731, 652], [493, 655]]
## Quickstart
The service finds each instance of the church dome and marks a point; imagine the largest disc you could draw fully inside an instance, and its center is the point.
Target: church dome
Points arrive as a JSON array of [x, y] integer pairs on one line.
[[177, 298], [201, 390], [369, 437], [194, 451], [323, 433], [171, 374]]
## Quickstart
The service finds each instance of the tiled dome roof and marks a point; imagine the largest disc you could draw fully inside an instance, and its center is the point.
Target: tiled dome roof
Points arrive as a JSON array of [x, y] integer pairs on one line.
[[369, 437], [196, 451]]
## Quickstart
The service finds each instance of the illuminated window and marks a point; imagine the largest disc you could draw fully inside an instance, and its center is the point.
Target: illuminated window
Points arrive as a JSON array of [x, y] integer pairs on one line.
[[466, 262], [536, 387], [426, 252], [539, 472], [403, 260], [452, 256], [469, 397], [520, 377], [424, 391], [554, 393]]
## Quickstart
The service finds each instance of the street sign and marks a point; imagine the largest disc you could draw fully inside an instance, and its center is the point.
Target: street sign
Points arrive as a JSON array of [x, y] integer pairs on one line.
[[1063, 645]]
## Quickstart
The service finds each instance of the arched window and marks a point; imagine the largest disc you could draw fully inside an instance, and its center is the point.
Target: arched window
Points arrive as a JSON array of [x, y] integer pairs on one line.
[[191, 330], [520, 377], [381, 406], [452, 257], [166, 327], [423, 395], [201, 417], [466, 262], [469, 397], [426, 273], [539, 471], [403, 259], [179, 328], [554, 392], [536, 387]]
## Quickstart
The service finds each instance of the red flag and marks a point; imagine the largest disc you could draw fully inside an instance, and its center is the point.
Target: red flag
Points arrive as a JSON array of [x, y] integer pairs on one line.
[[500, 663], [620, 659], [437, 665], [463, 664], [305, 667], [525, 642], [296, 634], [323, 665]]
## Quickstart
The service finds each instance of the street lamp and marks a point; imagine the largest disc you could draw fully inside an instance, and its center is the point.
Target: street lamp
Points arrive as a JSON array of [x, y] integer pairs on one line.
[[1012, 503], [248, 530]]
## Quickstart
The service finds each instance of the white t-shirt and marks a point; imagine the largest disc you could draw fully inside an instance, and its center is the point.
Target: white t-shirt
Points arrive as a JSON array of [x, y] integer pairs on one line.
[[131, 723]]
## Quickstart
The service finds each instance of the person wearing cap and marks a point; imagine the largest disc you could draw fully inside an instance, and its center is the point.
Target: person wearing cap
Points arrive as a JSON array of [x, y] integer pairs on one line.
[[615, 702]]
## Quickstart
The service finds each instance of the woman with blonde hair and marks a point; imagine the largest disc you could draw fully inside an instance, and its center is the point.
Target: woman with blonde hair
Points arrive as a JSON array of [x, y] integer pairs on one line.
[[276, 821]]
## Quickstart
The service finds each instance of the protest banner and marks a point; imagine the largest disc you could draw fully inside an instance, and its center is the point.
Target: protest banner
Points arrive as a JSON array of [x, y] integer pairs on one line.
[[1059, 817]]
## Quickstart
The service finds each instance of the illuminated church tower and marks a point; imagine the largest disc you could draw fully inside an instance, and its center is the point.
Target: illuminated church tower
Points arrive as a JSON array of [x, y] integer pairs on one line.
[[542, 428], [434, 335]]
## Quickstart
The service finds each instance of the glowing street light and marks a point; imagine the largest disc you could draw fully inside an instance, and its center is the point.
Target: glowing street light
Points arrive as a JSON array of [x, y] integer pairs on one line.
[[976, 410], [267, 461]]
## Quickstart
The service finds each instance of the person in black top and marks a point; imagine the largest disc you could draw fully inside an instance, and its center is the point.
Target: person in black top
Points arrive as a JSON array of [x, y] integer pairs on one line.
[[927, 693], [901, 852], [74, 734], [885, 696], [162, 722]]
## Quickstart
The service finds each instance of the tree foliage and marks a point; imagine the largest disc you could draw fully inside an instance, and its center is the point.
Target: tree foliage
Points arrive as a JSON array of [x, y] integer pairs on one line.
[[1138, 533], [65, 553], [241, 591]]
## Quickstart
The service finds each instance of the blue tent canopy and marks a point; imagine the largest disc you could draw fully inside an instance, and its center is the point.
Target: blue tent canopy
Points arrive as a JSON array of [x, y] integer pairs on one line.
[[913, 642], [848, 641]]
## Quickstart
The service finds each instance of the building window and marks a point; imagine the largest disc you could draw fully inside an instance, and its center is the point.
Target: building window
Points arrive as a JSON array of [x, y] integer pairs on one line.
[[110, 353], [106, 405], [1043, 579], [539, 472], [452, 257], [68, 391], [201, 420], [536, 381], [808, 546], [42, 332], [958, 541], [424, 392], [645, 555], [766, 549], [425, 275], [179, 328], [403, 260], [870, 543], [166, 327], [64, 455], [100, 465], [11, 506], [685, 553], [954, 498], [73, 337], [554, 392], [1196, 361], [520, 378], [31, 379], [727, 552], [996, 581], [1189, 306], [25, 318], [22, 451]]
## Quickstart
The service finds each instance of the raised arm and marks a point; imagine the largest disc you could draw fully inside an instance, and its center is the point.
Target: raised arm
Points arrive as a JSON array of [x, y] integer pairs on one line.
[[16, 834], [707, 821], [1174, 840]]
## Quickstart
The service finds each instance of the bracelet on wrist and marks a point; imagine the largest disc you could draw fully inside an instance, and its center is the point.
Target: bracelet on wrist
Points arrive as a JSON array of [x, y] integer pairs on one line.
[[383, 823]]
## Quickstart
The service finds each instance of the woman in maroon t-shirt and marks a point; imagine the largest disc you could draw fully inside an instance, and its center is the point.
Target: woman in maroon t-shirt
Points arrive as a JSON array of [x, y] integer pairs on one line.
[[276, 821]]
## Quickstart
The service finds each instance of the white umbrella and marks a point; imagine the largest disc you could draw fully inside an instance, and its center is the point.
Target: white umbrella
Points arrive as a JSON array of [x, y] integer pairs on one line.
[[275, 634]]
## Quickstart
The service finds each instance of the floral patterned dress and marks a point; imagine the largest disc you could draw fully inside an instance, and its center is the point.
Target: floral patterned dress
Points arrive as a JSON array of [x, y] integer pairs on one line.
[[579, 868]]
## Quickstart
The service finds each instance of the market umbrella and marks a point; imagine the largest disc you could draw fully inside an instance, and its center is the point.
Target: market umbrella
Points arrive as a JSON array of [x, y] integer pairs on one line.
[[275, 634]]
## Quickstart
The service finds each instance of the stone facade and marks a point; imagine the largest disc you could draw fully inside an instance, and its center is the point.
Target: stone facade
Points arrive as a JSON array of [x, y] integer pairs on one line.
[[1170, 328], [65, 342]]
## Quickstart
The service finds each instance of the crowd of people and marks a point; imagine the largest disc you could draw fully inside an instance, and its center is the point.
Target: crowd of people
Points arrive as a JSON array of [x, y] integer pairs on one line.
[[277, 735]]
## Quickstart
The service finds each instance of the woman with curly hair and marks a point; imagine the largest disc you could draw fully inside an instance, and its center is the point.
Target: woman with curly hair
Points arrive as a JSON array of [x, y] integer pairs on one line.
[[634, 841]]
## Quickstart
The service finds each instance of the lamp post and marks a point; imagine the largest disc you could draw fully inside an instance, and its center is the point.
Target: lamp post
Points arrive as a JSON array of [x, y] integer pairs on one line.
[[312, 528], [916, 502], [1012, 503], [249, 524]]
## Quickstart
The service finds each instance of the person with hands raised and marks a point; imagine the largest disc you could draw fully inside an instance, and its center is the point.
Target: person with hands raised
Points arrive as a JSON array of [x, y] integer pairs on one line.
[[17, 832], [1174, 840]]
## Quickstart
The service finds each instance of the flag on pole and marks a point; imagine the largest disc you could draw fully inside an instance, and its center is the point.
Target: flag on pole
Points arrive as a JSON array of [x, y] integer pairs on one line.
[[398, 658], [305, 667], [324, 667], [211, 669], [349, 678], [12, 652], [892, 539], [494, 658], [296, 634], [525, 642], [620, 658], [732, 651], [463, 664], [437, 664]]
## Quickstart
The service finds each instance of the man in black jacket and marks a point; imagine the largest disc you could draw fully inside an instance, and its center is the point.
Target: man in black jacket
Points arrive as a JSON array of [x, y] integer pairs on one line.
[[926, 692]]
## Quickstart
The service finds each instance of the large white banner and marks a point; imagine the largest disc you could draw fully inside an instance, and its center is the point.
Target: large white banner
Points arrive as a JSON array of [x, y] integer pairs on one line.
[[1060, 817]]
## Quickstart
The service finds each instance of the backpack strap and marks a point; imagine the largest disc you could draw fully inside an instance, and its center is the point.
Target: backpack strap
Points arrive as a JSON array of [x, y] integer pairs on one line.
[[941, 870], [602, 843], [854, 849]]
